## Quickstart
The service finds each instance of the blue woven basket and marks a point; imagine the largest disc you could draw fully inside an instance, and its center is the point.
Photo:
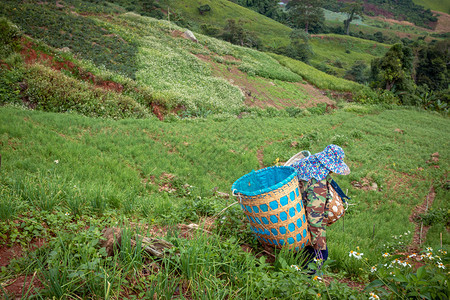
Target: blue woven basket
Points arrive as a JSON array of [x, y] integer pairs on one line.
[[271, 201]]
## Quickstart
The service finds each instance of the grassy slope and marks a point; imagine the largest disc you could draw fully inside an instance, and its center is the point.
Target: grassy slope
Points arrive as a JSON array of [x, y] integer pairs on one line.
[[438, 5], [321, 79], [271, 33], [123, 153], [60, 170], [332, 48], [274, 34], [161, 61]]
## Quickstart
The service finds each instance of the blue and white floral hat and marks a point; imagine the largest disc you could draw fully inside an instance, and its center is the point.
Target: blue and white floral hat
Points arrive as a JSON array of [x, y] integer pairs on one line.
[[319, 165], [333, 159]]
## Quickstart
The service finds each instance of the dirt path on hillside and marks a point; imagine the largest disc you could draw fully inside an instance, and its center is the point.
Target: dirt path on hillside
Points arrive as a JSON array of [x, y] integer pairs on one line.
[[420, 232]]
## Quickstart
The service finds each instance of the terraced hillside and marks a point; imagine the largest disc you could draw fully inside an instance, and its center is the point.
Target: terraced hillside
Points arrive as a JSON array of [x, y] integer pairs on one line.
[[149, 61]]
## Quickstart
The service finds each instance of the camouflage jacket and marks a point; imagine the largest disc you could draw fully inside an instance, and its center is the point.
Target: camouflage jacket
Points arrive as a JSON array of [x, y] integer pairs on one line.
[[315, 196]]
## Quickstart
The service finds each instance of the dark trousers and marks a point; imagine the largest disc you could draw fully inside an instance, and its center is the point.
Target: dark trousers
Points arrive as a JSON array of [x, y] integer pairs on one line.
[[310, 254]]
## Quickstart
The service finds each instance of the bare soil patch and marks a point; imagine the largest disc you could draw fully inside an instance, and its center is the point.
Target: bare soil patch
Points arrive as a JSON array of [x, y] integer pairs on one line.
[[22, 283], [368, 7], [8, 253], [32, 56], [443, 23]]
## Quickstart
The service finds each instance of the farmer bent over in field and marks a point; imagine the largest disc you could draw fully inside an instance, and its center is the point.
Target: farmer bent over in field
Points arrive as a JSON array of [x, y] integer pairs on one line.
[[314, 182]]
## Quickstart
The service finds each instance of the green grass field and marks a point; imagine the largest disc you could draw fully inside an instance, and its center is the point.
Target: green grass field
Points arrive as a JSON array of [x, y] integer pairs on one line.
[[341, 52], [320, 79], [60, 170], [270, 32], [439, 5]]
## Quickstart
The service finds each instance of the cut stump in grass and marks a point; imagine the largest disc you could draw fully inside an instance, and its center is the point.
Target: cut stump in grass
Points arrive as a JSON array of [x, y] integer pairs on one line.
[[153, 246]]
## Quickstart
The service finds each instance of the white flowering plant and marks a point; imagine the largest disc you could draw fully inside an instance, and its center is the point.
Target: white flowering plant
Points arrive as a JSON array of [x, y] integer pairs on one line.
[[421, 275]]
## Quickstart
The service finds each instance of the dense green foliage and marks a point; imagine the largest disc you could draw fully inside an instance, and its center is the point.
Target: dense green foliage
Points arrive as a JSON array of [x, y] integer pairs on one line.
[[393, 71], [433, 66], [89, 38], [306, 14], [429, 85]]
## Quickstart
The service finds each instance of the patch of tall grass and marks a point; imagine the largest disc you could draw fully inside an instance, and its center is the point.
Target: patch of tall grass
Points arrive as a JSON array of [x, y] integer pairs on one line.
[[340, 52], [318, 78], [51, 90]]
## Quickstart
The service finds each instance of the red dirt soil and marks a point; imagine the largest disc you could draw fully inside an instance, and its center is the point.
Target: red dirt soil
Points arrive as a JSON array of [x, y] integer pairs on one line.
[[31, 55], [15, 287]]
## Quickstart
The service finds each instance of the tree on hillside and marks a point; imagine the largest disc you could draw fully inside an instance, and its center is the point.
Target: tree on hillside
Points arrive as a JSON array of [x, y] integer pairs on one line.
[[353, 10], [306, 13], [432, 68], [393, 70], [299, 47], [235, 33], [264, 7]]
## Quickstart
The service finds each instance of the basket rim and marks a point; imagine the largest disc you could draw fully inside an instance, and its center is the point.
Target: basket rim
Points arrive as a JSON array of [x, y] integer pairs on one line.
[[296, 157], [267, 189]]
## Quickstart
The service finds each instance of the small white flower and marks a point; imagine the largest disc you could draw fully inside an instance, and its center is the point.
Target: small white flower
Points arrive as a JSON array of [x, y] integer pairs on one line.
[[373, 269], [317, 278], [358, 255], [386, 254], [56, 161], [67, 214], [429, 249], [412, 255], [403, 263], [441, 265], [373, 296], [295, 267], [442, 251]]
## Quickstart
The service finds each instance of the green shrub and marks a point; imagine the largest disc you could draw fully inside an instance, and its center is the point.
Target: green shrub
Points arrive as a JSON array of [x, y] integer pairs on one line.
[[51, 90], [369, 96], [9, 35], [202, 9]]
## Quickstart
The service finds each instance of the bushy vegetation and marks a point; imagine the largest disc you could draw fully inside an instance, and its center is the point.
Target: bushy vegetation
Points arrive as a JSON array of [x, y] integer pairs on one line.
[[89, 38]]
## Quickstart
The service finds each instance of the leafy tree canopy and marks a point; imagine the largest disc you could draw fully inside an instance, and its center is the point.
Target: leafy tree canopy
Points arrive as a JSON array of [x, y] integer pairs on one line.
[[306, 13]]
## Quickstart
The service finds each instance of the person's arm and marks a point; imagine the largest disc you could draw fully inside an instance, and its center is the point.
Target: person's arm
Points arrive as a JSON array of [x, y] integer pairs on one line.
[[315, 208]]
